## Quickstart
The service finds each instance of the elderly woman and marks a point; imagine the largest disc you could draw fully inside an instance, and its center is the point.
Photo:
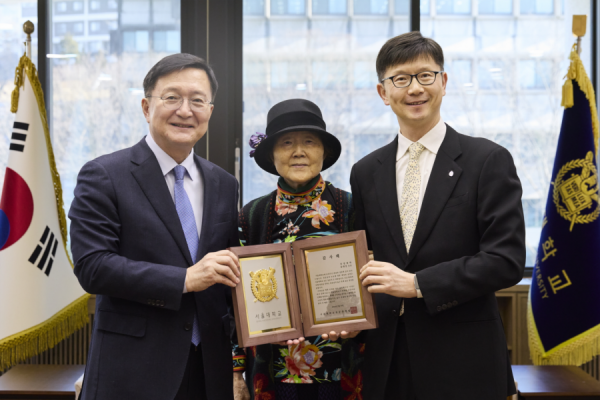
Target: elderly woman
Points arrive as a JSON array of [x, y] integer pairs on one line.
[[297, 147]]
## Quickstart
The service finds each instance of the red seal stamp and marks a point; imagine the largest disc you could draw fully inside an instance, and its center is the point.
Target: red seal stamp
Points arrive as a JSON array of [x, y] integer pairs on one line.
[[353, 310]]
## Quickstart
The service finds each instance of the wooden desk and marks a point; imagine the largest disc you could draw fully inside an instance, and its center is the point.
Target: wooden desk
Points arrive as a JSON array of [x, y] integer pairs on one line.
[[555, 383], [48, 382]]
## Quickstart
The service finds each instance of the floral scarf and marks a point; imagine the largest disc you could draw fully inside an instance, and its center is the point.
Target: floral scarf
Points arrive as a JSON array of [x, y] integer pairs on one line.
[[295, 209]]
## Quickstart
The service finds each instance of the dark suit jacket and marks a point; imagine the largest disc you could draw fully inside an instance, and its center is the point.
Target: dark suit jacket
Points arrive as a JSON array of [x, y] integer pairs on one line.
[[469, 242], [129, 248]]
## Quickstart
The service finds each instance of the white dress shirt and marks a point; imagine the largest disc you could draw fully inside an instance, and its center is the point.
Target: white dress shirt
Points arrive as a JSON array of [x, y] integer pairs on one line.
[[432, 142], [192, 181]]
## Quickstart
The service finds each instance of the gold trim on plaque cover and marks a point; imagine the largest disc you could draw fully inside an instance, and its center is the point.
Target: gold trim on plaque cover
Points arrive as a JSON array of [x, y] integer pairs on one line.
[[284, 292], [312, 303]]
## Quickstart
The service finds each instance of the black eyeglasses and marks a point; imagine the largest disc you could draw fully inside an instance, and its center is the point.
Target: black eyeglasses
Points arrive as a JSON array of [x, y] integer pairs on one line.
[[425, 78]]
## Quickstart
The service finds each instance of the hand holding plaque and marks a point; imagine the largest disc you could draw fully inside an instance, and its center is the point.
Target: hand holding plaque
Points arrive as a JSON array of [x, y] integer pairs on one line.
[[278, 301]]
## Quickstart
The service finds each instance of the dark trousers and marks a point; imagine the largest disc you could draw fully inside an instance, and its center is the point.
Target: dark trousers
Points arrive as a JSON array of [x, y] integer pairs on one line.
[[193, 385], [399, 383]]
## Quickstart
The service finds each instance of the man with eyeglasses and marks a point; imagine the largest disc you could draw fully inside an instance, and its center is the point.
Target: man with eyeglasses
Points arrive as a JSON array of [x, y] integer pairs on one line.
[[148, 227], [443, 216]]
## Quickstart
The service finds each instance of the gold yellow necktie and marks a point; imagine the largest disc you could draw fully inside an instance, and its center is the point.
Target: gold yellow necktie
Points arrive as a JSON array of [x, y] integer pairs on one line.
[[409, 205]]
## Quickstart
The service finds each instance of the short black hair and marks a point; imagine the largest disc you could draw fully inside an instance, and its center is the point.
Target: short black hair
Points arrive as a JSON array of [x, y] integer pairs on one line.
[[406, 48], [178, 62]]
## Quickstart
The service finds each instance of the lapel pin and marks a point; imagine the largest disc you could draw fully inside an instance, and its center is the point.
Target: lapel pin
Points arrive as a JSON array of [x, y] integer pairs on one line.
[[451, 173]]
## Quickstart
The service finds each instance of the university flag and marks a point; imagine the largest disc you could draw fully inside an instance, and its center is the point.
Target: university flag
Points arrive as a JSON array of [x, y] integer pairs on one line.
[[564, 298], [41, 301]]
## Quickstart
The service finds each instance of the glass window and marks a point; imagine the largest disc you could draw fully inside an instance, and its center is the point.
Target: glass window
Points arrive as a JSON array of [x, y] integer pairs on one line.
[[12, 16], [453, 6], [364, 75], [97, 90], [61, 7], [539, 6], [94, 5], [254, 7], [324, 7], [495, 6], [535, 74], [402, 7], [329, 75], [369, 7], [288, 7], [77, 6]]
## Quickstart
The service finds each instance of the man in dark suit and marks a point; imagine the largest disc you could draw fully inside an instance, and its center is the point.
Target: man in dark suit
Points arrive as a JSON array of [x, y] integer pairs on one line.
[[443, 216], [148, 227]]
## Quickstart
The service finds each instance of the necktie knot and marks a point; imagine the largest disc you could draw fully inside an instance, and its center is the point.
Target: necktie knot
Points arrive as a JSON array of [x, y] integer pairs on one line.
[[179, 172], [416, 149]]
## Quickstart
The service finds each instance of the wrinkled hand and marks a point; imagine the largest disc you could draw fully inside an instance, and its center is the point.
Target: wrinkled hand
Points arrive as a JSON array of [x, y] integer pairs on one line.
[[382, 277], [220, 267], [240, 390], [343, 334], [290, 342]]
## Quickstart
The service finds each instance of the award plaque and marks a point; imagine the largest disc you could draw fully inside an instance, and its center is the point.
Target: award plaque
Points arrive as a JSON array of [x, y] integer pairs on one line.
[[332, 297], [266, 299]]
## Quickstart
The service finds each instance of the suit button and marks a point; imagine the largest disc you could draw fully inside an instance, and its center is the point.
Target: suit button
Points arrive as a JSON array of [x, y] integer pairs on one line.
[[394, 312], [162, 303], [149, 301], [187, 326], [455, 303], [439, 308], [449, 305], [444, 306]]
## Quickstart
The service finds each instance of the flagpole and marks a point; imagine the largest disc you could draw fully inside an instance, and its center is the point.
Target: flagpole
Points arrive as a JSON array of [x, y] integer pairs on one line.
[[579, 22], [28, 28]]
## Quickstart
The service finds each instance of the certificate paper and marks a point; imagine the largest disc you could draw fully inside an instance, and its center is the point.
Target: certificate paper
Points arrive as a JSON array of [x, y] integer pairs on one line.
[[334, 285], [265, 295]]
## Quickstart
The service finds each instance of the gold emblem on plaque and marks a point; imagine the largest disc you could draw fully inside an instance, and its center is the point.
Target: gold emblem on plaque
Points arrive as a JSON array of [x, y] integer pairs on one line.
[[578, 193], [264, 285]]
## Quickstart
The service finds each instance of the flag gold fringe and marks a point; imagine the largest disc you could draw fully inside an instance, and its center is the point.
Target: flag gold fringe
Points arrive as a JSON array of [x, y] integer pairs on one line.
[[28, 343], [27, 67], [32, 341], [576, 351], [577, 72]]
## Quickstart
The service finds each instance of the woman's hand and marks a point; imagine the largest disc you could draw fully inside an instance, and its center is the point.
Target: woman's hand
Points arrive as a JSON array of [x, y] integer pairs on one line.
[[240, 390], [343, 334], [290, 342]]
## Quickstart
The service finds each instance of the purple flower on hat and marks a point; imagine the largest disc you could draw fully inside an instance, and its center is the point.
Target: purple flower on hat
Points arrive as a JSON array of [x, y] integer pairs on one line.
[[255, 141]]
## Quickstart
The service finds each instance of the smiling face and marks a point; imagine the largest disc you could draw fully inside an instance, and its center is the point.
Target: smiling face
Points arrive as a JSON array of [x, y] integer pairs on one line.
[[417, 107], [176, 131], [298, 157]]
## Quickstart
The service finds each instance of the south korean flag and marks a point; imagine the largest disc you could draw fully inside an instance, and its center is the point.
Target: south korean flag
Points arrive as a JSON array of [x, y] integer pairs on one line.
[[41, 300]]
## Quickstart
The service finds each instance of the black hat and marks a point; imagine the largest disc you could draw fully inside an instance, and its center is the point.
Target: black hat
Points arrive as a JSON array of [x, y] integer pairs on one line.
[[291, 116]]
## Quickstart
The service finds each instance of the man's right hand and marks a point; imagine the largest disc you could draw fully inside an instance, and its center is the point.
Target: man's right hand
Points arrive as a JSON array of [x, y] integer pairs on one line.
[[220, 267]]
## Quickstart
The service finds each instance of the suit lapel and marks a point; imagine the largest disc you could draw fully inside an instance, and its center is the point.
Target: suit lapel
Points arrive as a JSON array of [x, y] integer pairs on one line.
[[211, 193], [385, 185], [149, 176], [438, 191]]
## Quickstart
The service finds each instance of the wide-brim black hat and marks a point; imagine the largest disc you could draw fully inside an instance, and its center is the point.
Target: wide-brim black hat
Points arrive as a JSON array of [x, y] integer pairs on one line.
[[290, 116]]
